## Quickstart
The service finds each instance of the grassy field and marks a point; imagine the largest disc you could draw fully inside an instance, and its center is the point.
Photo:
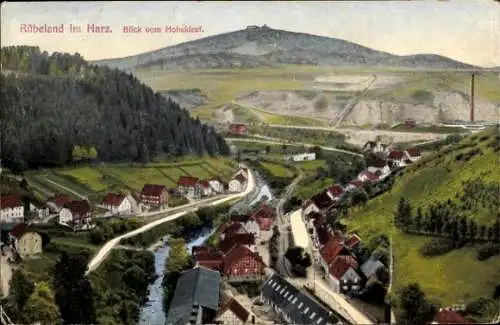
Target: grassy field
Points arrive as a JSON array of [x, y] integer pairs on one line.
[[94, 182], [436, 178], [277, 170], [429, 129]]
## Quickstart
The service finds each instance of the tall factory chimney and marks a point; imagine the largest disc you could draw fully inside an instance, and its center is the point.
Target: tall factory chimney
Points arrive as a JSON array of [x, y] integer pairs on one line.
[[472, 98]]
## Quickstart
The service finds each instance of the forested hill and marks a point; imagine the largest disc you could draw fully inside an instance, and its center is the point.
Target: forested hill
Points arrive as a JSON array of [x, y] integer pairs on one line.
[[52, 103]]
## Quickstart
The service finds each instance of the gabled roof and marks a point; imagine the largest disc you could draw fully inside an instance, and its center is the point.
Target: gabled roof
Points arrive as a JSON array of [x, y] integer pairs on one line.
[[19, 230], [370, 145], [341, 264], [204, 183], [336, 190], [450, 317], [317, 216], [153, 190], [187, 181], [323, 234], [233, 229], [239, 218], [78, 207], [240, 178], [299, 307], [322, 200], [263, 211], [113, 199], [356, 183], [238, 252], [11, 201], [369, 175], [60, 200], [238, 310], [229, 242], [196, 287], [331, 250], [210, 260], [396, 155], [352, 241], [370, 267], [414, 152]]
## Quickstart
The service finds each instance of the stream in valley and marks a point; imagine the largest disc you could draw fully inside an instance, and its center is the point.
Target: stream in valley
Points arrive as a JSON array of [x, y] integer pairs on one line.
[[152, 312]]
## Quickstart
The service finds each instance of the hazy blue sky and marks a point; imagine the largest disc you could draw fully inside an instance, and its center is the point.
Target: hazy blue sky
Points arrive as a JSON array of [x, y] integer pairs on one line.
[[466, 30]]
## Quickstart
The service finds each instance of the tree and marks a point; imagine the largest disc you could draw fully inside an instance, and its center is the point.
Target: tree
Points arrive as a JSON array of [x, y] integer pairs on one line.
[[399, 216], [178, 257], [92, 153], [20, 291], [417, 221], [77, 154], [413, 306], [73, 290], [41, 306]]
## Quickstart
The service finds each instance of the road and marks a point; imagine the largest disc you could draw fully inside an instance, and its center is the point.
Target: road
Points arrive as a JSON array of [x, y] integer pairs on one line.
[[281, 141], [283, 225], [107, 248], [66, 189], [6, 274]]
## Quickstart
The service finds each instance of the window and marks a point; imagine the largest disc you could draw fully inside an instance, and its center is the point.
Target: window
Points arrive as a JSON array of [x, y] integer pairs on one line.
[[286, 294], [306, 310], [319, 320], [282, 290], [278, 287], [294, 300], [312, 315], [300, 305]]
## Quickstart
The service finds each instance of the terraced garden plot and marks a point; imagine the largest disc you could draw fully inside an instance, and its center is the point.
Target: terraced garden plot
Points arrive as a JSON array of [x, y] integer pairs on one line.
[[277, 169], [197, 171], [172, 175], [91, 177], [135, 178], [311, 165]]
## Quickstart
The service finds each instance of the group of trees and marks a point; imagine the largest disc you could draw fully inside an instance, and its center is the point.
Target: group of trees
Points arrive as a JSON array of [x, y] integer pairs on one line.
[[60, 101], [83, 153], [299, 259], [413, 307], [274, 245]]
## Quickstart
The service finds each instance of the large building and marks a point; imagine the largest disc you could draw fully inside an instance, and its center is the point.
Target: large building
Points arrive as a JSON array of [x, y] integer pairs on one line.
[[12, 209]]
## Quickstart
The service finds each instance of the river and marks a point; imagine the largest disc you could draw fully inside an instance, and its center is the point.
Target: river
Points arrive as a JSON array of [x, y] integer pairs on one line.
[[152, 312]]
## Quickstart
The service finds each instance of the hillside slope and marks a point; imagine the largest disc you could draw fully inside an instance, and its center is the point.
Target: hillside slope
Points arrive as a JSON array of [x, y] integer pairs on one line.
[[264, 46], [436, 185], [61, 101]]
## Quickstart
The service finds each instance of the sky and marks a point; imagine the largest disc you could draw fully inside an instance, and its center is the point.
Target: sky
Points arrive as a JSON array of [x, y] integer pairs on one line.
[[465, 30]]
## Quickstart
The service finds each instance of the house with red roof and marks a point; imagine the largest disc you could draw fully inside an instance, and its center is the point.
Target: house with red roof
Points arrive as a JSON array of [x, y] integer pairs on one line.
[[320, 202], [213, 260], [397, 158], [56, 203], [342, 274], [230, 229], [238, 183], [118, 203], [12, 209], [25, 241], [206, 188], [238, 129], [190, 187], [368, 177], [352, 241], [229, 242], [445, 316], [381, 168], [354, 184], [154, 195], [242, 265], [232, 312], [413, 154], [329, 252], [76, 214], [335, 192]]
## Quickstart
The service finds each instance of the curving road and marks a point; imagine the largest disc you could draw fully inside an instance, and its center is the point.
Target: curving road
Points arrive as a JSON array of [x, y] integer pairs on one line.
[[107, 248], [270, 140]]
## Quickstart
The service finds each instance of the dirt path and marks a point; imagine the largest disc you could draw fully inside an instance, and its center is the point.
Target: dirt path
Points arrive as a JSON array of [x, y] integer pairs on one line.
[[66, 189], [6, 275]]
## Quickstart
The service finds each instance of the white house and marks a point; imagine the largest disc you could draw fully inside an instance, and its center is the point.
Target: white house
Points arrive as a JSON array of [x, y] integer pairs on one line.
[[65, 216], [311, 207], [301, 157], [217, 185], [206, 188], [366, 176], [413, 154], [237, 184], [243, 172], [377, 147], [117, 203], [383, 169], [12, 209], [342, 274], [252, 227]]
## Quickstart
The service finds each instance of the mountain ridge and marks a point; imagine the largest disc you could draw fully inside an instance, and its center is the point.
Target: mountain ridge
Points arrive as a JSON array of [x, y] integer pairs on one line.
[[257, 46]]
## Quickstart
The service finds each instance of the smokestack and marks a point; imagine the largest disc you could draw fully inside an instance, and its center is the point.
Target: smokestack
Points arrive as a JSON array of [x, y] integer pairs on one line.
[[472, 98]]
